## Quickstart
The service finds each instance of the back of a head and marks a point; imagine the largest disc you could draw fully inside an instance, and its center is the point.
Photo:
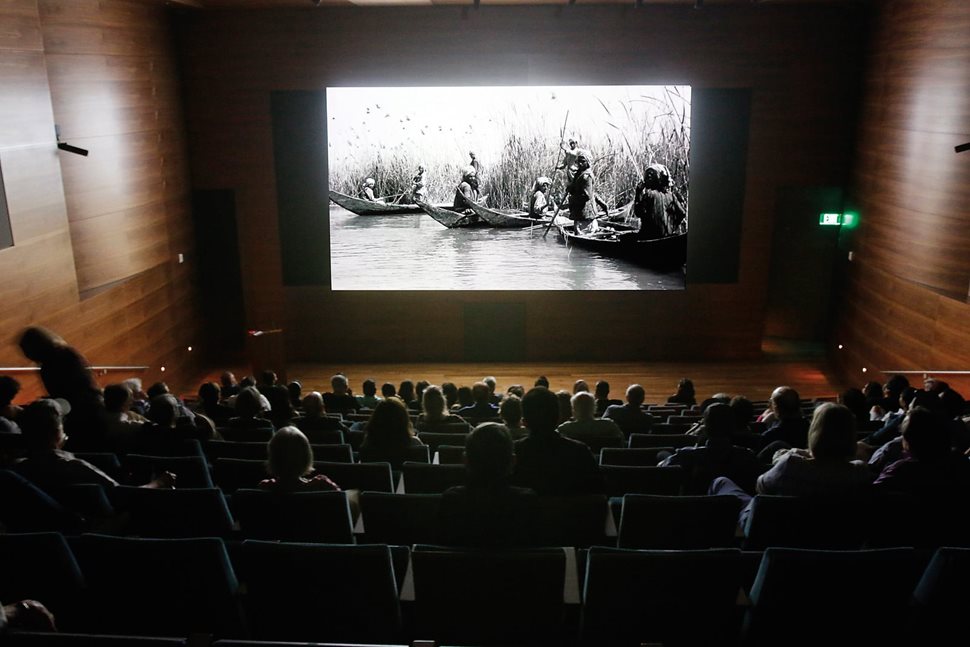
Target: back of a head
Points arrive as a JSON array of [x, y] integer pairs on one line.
[[951, 402], [433, 403], [490, 383], [40, 423], [208, 393], [388, 390], [583, 405], [855, 400], [9, 388], [465, 398], [227, 379], [157, 389], [164, 410], [602, 389], [510, 410], [832, 433], [290, 454], [480, 392], [516, 389], [116, 396], [295, 389], [896, 384], [339, 384], [313, 404], [685, 387], [38, 343], [279, 401], [786, 403], [719, 421], [925, 435], [406, 391], [267, 378], [635, 395], [926, 400], [369, 388], [542, 381], [580, 385], [247, 381], [247, 403], [389, 425], [488, 454], [451, 392], [743, 411], [540, 410]]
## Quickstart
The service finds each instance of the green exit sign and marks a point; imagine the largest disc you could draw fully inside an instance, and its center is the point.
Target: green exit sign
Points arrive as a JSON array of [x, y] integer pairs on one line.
[[830, 219]]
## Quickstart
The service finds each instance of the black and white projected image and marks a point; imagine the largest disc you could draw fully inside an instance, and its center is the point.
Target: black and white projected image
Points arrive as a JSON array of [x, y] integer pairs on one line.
[[509, 188]]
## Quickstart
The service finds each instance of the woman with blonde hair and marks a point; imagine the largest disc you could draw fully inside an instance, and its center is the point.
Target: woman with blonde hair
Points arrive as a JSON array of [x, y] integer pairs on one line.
[[435, 416], [290, 464]]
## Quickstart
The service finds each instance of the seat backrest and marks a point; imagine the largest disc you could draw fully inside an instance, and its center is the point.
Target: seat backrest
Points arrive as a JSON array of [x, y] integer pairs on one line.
[[622, 479], [522, 588], [671, 428], [669, 597], [425, 478], [635, 457], [451, 455], [190, 471], [176, 513], [247, 435], [294, 516], [24, 507], [418, 454], [107, 462], [159, 587], [231, 474], [40, 566], [355, 437], [325, 436], [375, 477], [403, 519], [155, 446], [432, 440], [578, 521], [806, 522], [661, 440], [216, 449], [678, 522], [336, 453], [62, 639], [304, 592]]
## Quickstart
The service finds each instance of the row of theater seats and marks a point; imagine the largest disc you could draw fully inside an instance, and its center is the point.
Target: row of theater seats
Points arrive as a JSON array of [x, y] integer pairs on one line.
[[383, 594]]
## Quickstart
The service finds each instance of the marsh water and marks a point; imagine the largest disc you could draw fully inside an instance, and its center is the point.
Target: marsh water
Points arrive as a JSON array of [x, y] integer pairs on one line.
[[413, 252]]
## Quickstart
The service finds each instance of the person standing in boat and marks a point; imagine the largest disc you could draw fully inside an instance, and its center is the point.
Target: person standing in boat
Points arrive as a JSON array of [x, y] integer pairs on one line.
[[570, 157], [660, 212], [474, 163], [582, 198], [541, 203], [367, 191], [419, 192], [467, 191]]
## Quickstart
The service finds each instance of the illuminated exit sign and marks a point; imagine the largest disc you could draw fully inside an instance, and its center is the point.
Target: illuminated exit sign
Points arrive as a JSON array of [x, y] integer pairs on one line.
[[830, 219]]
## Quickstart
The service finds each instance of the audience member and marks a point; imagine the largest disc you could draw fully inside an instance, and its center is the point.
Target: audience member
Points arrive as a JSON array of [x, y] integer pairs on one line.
[[517, 390], [26, 615], [684, 394], [388, 390], [482, 409], [290, 462], [488, 511], [122, 427], [314, 422], [388, 434], [281, 411], [369, 399], [464, 398], [139, 399], [593, 432], [545, 461], [603, 400], [542, 381], [267, 379], [786, 425], [718, 457], [490, 382], [295, 389], [9, 388], [405, 392], [891, 390], [565, 405], [580, 386], [249, 418], [416, 404], [855, 400], [67, 375], [209, 396], [339, 400], [435, 416], [510, 411], [630, 417], [451, 394], [228, 386]]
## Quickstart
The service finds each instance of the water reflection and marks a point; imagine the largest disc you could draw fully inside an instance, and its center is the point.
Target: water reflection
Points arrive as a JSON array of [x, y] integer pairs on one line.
[[413, 252]]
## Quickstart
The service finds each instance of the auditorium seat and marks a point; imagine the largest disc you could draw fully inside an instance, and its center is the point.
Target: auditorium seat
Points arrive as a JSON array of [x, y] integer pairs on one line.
[[27, 508], [215, 449], [941, 598], [104, 461], [335, 453], [243, 435], [320, 593], [86, 499], [39, 639], [636, 457], [11, 447], [806, 522], [671, 428], [404, 519], [661, 440], [190, 471], [40, 566], [175, 513], [375, 477], [324, 436], [425, 478], [678, 522], [674, 598], [168, 447], [578, 521], [433, 440], [293, 516], [622, 479], [809, 596], [355, 437], [159, 587], [231, 474], [451, 454], [481, 597]]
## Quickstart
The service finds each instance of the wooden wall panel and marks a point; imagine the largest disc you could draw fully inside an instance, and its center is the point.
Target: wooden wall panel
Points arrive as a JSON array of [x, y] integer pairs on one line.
[[802, 64], [905, 302], [127, 201]]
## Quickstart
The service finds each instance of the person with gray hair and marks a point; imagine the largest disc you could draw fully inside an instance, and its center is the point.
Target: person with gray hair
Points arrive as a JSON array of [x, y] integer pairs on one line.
[[339, 399], [595, 433], [290, 463], [630, 417]]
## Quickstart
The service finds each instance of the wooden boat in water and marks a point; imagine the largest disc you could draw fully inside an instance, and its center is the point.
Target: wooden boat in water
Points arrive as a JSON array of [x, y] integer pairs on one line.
[[452, 218], [618, 242], [363, 207], [506, 218]]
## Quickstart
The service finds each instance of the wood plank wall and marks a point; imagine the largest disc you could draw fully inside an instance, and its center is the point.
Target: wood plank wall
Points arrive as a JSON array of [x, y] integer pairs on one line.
[[107, 227], [803, 64], [905, 301]]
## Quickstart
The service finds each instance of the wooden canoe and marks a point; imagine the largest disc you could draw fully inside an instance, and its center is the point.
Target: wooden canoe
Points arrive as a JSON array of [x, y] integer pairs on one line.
[[506, 218], [367, 208], [658, 253], [451, 218]]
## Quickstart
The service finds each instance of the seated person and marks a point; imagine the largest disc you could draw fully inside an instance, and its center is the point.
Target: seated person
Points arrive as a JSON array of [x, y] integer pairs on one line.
[[488, 511], [718, 457], [209, 399], [785, 421], [281, 411], [121, 425], [369, 400], [290, 462], [9, 388], [228, 386], [314, 417], [603, 399], [630, 417], [47, 465], [545, 461], [26, 615], [249, 416], [510, 411], [166, 424], [482, 409], [435, 416], [339, 400], [684, 394], [388, 435], [595, 433]]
